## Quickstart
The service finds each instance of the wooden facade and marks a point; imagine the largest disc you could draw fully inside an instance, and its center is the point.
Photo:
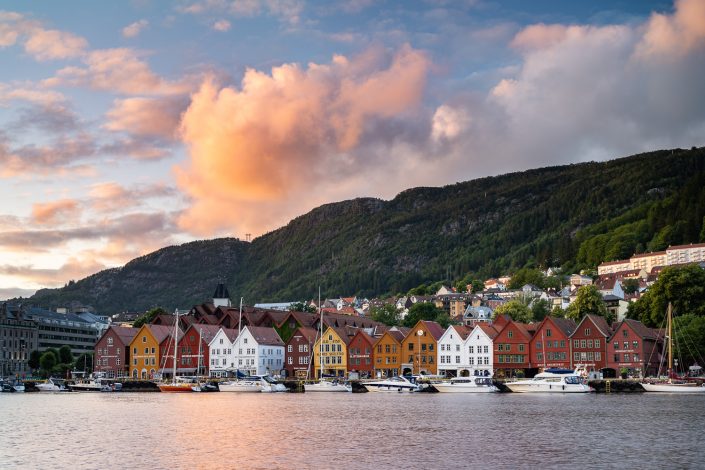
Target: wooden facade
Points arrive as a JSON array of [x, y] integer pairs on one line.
[[298, 353], [511, 350], [589, 343], [387, 356], [419, 348], [112, 351], [146, 350], [332, 350], [550, 347], [636, 348], [361, 354]]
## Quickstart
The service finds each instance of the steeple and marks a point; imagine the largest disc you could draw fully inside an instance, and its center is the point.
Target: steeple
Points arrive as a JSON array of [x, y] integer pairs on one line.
[[221, 297]]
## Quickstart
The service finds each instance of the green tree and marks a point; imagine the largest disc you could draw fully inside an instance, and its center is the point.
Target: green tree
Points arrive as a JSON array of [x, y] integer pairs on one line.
[[422, 311], [65, 356], [689, 339], [558, 312], [84, 362], [47, 362], [516, 309], [683, 286], [302, 307], [630, 286], [34, 357], [149, 316], [539, 310], [527, 276], [387, 314], [588, 300], [443, 319]]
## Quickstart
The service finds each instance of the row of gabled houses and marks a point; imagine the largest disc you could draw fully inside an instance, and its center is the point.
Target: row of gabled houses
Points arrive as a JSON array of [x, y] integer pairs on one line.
[[288, 344]]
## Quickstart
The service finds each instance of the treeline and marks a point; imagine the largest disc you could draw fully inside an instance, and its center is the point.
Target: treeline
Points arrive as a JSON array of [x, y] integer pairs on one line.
[[59, 362]]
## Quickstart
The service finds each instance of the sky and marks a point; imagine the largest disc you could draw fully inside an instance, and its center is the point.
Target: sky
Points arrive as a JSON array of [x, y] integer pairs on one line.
[[129, 126]]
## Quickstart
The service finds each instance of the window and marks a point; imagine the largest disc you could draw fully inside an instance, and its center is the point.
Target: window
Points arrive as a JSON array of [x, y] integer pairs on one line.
[[510, 334], [590, 356], [471, 349], [589, 343], [386, 348], [507, 347], [597, 343], [576, 343], [576, 356], [117, 361], [587, 331], [154, 351], [423, 346], [635, 344], [290, 348], [472, 361], [539, 356], [500, 347], [598, 356], [563, 343], [144, 339], [626, 345], [457, 359], [521, 348], [625, 333], [583, 343], [244, 340], [626, 357], [636, 357], [457, 348], [134, 351], [538, 344], [146, 350], [110, 341], [411, 346], [616, 345], [379, 349], [548, 332], [485, 349]]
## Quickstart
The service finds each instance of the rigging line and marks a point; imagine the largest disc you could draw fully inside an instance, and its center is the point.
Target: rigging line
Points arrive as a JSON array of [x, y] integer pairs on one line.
[[693, 351], [655, 348]]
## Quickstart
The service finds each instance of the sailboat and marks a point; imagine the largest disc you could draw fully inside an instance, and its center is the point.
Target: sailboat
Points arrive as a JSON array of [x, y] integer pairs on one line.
[[245, 385], [670, 386], [324, 385], [202, 384], [176, 386]]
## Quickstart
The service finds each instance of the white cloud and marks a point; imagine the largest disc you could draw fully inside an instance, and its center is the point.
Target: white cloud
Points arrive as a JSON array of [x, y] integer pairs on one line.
[[134, 29], [221, 25]]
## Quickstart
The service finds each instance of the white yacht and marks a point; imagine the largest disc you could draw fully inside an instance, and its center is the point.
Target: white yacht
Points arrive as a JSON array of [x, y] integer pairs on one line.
[[327, 386], [271, 385], [466, 385], [246, 385], [52, 385], [392, 384], [551, 381]]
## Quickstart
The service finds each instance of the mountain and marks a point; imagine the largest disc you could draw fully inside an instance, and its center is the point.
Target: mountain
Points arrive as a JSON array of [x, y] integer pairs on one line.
[[574, 216]]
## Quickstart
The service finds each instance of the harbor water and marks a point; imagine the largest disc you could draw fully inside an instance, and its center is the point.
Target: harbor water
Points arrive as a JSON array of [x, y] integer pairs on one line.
[[342, 430]]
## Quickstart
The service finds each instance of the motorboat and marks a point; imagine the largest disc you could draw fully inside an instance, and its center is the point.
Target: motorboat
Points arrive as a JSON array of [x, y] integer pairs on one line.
[[179, 385], [95, 383], [551, 381], [392, 384], [466, 385], [13, 386], [271, 385], [52, 385], [327, 386]]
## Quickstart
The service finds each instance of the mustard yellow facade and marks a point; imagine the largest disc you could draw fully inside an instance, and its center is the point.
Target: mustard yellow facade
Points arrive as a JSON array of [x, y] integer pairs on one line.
[[333, 350], [144, 354], [418, 350]]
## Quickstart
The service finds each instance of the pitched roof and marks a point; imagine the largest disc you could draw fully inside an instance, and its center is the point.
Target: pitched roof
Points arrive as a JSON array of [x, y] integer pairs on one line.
[[161, 332], [462, 330], [265, 335], [640, 329], [566, 325], [434, 328], [308, 333], [655, 253], [488, 329], [367, 337], [125, 333], [207, 332], [600, 323]]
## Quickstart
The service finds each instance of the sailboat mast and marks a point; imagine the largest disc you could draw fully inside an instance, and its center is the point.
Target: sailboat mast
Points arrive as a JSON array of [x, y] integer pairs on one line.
[[237, 353], [543, 343], [176, 326], [320, 345], [669, 329]]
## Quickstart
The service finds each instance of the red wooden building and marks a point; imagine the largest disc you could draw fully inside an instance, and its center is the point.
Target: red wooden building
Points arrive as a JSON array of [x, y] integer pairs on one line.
[[361, 354], [188, 359], [589, 343], [298, 353], [112, 351], [635, 347], [511, 349], [550, 346]]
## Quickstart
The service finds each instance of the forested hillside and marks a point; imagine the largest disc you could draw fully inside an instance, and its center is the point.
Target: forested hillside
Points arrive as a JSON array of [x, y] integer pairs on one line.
[[574, 216]]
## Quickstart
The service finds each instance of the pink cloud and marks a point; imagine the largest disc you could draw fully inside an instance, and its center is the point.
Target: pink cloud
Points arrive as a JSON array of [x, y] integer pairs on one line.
[[221, 25], [147, 116], [675, 34], [271, 138], [55, 211], [53, 44], [134, 29]]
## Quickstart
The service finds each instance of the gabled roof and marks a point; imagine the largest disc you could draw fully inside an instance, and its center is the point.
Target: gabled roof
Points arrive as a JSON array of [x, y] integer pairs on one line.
[[638, 327], [125, 333], [434, 328], [599, 322], [488, 329], [309, 334], [565, 324], [265, 335], [207, 332], [342, 332], [161, 332], [371, 340]]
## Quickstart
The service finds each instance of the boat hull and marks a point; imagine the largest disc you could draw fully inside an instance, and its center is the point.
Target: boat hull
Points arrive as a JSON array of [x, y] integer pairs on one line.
[[85, 388], [240, 387], [326, 387], [390, 389], [519, 387], [175, 388], [673, 388], [456, 388]]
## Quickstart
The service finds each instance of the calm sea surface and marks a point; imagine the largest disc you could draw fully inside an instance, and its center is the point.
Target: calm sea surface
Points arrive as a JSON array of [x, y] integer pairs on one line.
[[266, 431]]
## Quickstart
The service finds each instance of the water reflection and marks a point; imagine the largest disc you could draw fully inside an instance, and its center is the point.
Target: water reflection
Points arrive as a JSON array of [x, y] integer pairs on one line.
[[222, 430]]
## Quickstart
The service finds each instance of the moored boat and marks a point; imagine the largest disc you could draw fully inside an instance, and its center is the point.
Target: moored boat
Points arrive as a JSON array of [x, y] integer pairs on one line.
[[327, 386], [466, 385], [392, 384], [551, 381], [52, 385]]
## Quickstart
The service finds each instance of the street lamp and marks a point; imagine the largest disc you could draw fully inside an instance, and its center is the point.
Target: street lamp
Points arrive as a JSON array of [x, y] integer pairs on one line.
[[419, 333]]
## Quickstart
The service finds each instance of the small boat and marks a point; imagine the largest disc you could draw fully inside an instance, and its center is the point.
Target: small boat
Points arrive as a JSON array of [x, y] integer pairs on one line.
[[13, 386], [94, 383], [327, 386], [392, 384], [245, 385], [466, 385], [271, 385], [551, 381], [52, 385], [672, 385]]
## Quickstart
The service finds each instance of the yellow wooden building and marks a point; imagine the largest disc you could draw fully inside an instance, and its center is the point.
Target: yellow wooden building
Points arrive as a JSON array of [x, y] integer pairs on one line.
[[145, 350], [333, 348]]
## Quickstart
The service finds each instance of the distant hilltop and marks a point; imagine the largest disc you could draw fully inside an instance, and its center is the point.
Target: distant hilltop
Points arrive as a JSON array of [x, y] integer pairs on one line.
[[574, 216]]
